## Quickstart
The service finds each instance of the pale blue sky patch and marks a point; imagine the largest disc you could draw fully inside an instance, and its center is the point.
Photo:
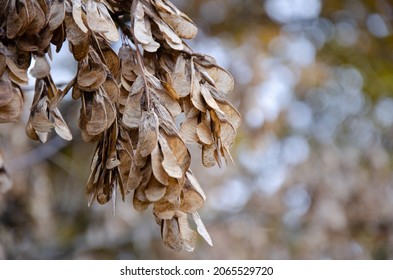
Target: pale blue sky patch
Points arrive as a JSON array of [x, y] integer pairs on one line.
[[285, 11]]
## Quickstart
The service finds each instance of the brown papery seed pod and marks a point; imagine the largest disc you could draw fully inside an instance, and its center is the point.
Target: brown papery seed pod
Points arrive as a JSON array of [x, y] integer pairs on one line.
[[141, 105]]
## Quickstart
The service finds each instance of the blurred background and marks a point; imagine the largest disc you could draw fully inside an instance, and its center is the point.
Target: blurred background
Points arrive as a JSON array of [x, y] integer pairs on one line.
[[313, 174]]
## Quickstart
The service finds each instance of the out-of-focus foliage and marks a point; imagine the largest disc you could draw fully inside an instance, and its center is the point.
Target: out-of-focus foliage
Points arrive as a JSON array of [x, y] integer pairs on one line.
[[313, 176]]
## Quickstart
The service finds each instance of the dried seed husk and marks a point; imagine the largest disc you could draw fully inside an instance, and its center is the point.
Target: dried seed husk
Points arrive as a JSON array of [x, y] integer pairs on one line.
[[140, 201], [40, 122], [97, 122], [12, 110], [135, 177], [39, 116], [111, 89], [76, 92], [204, 60], [124, 166], [209, 99], [148, 133], [79, 51], [16, 74], [112, 160], [91, 73], [168, 102], [139, 160], [189, 110], [132, 111], [38, 42], [159, 172], [109, 184], [167, 123], [180, 151], [128, 63], [154, 190], [41, 68], [204, 132], [201, 228], [78, 15], [170, 234], [137, 85], [181, 24], [100, 21], [232, 115], [227, 134], [170, 90], [20, 58], [3, 62], [111, 61], [79, 40], [169, 7], [95, 172], [126, 85], [6, 91], [192, 182], [30, 131], [146, 173], [205, 77], [208, 158], [215, 123], [164, 210], [61, 127], [191, 200], [153, 45], [188, 130], [39, 19], [57, 14], [173, 191], [109, 109], [196, 97], [59, 36], [17, 19], [169, 163], [140, 192], [142, 29], [42, 136], [171, 38], [181, 79], [142, 32], [85, 116], [223, 80], [218, 95], [188, 236]]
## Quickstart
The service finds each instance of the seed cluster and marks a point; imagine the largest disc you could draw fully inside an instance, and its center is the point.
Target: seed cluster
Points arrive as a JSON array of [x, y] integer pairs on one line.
[[131, 102]]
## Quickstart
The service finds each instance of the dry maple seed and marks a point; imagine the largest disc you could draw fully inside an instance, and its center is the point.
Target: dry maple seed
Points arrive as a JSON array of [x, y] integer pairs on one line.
[[130, 100]]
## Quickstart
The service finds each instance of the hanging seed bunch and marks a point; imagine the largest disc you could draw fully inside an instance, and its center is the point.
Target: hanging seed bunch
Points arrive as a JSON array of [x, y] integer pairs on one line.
[[130, 100]]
